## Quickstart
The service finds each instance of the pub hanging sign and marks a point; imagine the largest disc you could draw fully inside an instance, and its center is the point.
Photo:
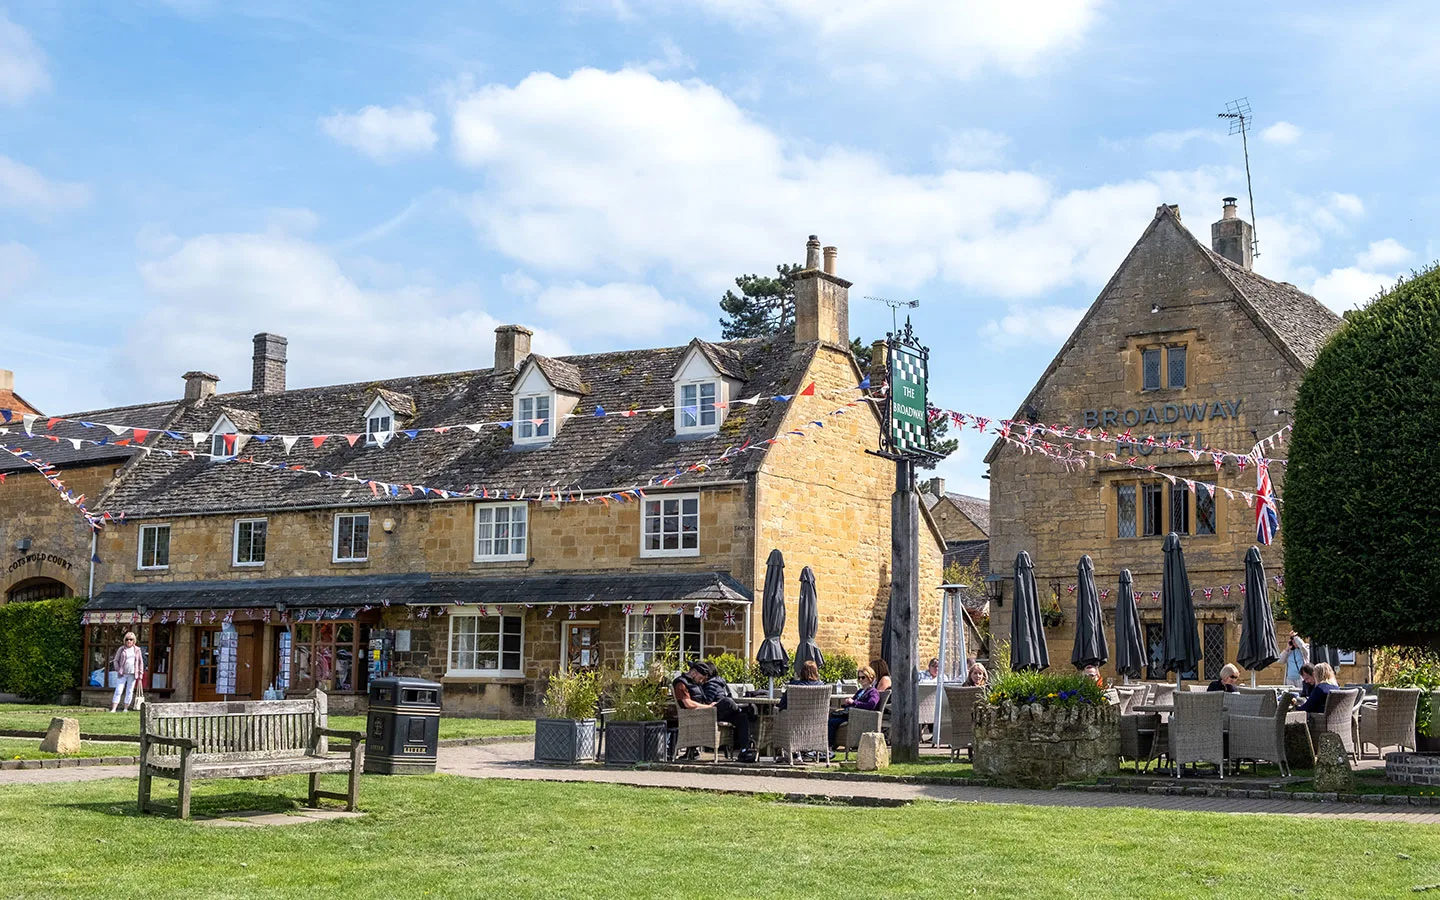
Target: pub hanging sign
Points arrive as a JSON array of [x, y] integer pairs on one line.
[[909, 400]]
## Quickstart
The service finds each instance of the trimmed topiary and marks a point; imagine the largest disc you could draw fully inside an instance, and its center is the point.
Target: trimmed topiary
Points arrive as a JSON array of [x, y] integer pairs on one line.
[[1361, 518], [40, 647]]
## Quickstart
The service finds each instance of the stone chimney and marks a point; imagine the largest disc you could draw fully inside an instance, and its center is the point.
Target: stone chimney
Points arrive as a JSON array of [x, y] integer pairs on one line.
[[200, 385], [822, 301], [268, 371], [879, 366], [7, 380], [512, 347], [936, 487], [1232, 237]]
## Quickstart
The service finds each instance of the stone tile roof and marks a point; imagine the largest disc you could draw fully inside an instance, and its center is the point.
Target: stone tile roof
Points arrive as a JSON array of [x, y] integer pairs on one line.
[[377, 590], [402, 405], [724, 360], [966, 552], [587, 453], [1301, 322], [246, 421], [976, 509], [562, 375], [64, 455]]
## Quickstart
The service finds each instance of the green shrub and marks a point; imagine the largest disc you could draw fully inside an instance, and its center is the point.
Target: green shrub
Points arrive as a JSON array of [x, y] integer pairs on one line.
[[573, 695], [41, 648], [1362, 551], [1045, 689], [732, 668], [838, 667], [1419, 669], [639, 699]]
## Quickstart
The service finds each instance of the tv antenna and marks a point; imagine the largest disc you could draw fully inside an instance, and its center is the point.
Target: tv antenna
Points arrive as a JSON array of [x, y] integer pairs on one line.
[[895, 306], [1238, 112]]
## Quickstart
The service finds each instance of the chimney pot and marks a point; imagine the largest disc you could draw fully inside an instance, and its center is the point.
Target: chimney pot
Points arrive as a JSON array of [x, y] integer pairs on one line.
[[830, 254], [267, 374], [1232, 237], [812, 253], [1229, 208], [512, 347], [200, 386]]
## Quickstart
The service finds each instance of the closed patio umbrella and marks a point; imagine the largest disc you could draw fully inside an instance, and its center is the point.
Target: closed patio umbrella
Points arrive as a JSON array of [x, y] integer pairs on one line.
[[1027, 633], [809, 622], [1089, 649], [1180, 634], [1257, 624], [1129, 645], [772, 657], [1323, 653]]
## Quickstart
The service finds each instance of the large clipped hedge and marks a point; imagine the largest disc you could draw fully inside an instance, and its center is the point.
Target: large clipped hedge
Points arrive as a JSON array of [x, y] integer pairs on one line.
[[40, 648], [1361, 518]]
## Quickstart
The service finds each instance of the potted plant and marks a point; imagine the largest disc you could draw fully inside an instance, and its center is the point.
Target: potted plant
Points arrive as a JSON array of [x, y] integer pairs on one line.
[[1037, 730], [567, 733], [1051, 615], [637, 733]]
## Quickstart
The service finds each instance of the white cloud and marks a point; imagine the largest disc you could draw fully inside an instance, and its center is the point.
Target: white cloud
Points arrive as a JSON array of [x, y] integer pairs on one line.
[[22, 65], [520, 284], [1281, 133], [1384, 254], [24, 188], [18, 263], [671, 58], [975, 148], [1172, 141], [216, 290], [1349, 204], [1347, 288], [634, 311], [1047, 326], [383, 133]]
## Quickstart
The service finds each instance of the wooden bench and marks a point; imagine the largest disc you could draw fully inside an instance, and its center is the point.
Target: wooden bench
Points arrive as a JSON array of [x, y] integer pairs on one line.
[[244, 739]]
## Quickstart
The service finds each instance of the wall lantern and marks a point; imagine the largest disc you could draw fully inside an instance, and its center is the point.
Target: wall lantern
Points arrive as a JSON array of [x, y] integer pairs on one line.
[[995, 588]]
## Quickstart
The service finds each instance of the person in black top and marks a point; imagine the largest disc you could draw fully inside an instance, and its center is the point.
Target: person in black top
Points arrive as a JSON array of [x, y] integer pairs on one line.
[[809, 674], [1324, 683], [700, 687], [1229, 680]]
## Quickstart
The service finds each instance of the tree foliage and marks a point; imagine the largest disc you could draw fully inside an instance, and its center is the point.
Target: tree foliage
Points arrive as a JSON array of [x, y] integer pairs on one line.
[[764, 306], [1361, 518], [40, 647]]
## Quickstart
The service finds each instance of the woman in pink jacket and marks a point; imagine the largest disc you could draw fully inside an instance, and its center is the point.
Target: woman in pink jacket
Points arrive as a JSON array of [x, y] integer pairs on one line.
[[128, 665]]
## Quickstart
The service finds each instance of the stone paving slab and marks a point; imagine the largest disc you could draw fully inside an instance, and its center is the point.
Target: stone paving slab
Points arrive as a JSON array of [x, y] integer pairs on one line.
[[262, 819]]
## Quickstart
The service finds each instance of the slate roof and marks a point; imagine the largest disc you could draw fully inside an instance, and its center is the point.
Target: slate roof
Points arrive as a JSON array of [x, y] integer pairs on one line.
[[588, 452], [562, 375], [402, 405], [724, 360], [63, 455], [976, 509], [1300, 321], [966, 552], [376, 590]]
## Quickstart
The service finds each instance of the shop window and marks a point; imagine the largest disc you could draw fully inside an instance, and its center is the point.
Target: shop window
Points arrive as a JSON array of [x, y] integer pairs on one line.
[[1175, 366], [250, 542], [1179, 509], [1150, 369], [154, 641], [1204, 510], [1152, 511], [154, 547], [327, 655], [486, 645], [352, 537], [671, 526], [1125, 510], [666, 639], [500, 531], [697, 410]]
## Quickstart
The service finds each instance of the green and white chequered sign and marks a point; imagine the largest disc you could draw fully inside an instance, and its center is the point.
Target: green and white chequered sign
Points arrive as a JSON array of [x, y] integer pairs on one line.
[[907, 400]]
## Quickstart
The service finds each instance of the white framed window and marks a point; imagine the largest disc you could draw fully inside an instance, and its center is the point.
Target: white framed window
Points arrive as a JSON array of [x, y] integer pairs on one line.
[[223, 442], [352, 537], [379, 424], [501, 531], [486, 645], [533, 418], [668, 639], [249, 543], [696, 409], [671, 526], [154, 547]]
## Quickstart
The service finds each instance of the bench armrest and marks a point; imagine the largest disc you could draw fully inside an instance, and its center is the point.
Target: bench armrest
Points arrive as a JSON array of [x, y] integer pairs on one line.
[[355, 736], [182, 743]]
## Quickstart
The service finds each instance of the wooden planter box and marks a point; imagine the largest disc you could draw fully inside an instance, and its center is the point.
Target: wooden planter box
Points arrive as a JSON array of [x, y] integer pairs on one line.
[[628, 743], [564, 740], [1037, 746]]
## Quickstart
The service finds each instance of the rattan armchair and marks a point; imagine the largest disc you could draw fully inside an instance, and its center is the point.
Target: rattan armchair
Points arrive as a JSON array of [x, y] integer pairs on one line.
[[1242, 704], [1261, 737], [1267, 698], [1161, 694], [699, 728], [1337, 717], [1197, 730], [804, 724], [960, 726], [1390, 722], [862, 721], [1137, 737]]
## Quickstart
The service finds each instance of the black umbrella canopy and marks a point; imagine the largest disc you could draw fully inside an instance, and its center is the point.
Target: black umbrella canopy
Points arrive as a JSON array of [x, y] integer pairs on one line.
[[1027, 633], [1257, 623], [1089, 648], [1322, 653], [1181, 636], [1129, 645], [809, 622], [773, 659]]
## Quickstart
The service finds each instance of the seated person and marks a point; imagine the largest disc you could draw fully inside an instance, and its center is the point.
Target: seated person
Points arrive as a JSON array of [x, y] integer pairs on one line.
[[977, 676], [809, 674], [1325, 682], [931, 673], [1093, 673], [1229, 680], [867, 697], [882, 674], [1307, 679], [700, 687]]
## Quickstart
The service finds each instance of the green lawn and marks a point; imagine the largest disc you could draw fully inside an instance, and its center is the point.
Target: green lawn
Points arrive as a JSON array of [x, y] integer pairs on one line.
[[29, 748], [27, 717], [439, 836]]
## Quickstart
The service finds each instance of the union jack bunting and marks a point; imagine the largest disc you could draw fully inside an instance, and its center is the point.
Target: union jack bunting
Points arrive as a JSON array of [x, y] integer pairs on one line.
[[1242, 590], [572, 612], [1209, 592], [628, 608], [648, 608], [1267, 512], [729, 617], [1105, 594], [1154, 595], [549, 612], [1225, 591]]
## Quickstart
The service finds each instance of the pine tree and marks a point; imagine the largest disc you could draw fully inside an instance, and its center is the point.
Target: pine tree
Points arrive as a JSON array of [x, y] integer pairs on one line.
[[765, 305]]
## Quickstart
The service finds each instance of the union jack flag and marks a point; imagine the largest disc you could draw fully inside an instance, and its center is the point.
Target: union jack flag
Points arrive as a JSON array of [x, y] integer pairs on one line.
[[1267, 512]]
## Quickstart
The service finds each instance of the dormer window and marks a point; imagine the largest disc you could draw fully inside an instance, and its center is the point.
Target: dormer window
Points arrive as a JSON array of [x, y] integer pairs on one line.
[[545, 393], [223, 439], [533, 421], [379, 424], [707, 376], [697, 407]]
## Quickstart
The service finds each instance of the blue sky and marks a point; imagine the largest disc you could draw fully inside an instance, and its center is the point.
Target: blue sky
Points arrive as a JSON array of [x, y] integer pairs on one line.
[[384, 186]]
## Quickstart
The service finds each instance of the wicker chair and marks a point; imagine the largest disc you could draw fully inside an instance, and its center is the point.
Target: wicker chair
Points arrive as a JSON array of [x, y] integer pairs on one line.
[[1261, 737], [1198, 688], [1243, 704], [1267, 698], [927, 693], [1337, 717], [1162, 694], [1197, 730], [700, 728], [1391, 722], [960, 726], [1137, 737], [862, 721], [803, 725]]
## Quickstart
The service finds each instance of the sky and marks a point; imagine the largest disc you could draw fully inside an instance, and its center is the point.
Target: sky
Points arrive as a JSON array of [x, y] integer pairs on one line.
[[384, 183]]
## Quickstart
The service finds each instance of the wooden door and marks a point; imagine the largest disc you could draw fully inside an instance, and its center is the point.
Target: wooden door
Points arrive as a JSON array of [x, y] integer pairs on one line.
[[207, 663], [215, 670], [582, 647]]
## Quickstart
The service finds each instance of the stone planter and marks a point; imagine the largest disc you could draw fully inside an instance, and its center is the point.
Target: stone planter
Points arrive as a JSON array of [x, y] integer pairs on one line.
[[628, 743], [564, 740], [1425, 744], [1036, 746]]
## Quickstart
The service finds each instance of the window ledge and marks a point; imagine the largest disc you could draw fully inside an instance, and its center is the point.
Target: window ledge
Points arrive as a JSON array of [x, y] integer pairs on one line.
[[501, 563], [482, 679], [667, 558]]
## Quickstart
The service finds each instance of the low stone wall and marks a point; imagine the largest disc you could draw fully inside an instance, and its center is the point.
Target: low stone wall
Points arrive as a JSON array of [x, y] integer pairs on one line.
[[1412, 768], [1039, 747]]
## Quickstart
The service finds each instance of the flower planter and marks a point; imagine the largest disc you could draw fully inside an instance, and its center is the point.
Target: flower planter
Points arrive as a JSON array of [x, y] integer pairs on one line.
[[564, 740], [1038, 746], [628, 743]]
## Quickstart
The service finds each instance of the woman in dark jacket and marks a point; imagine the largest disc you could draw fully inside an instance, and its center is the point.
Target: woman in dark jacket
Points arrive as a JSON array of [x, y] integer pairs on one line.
[[1229, 680], [867, 697]]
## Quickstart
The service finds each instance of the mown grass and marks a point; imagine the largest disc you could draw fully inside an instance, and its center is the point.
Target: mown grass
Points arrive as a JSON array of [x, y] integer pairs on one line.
[[440, 836], [29, 748]]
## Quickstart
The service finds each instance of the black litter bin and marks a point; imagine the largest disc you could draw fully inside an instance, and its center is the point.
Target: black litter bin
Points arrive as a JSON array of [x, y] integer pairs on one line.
[[402, 733]]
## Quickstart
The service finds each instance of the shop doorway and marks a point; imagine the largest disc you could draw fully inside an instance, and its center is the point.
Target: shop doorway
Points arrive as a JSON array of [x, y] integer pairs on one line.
[[225, 662], [582, 646]]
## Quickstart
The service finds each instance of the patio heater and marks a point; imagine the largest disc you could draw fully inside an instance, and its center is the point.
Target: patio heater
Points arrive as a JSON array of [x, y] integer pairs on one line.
[[949, 600]]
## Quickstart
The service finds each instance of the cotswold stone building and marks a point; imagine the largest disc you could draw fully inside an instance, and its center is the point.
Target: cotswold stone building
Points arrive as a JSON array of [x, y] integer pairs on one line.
[[1186, 343], [468, 556]]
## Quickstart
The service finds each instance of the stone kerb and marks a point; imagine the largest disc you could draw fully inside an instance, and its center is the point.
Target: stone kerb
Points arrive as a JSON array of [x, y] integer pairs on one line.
[[1038, 746]]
